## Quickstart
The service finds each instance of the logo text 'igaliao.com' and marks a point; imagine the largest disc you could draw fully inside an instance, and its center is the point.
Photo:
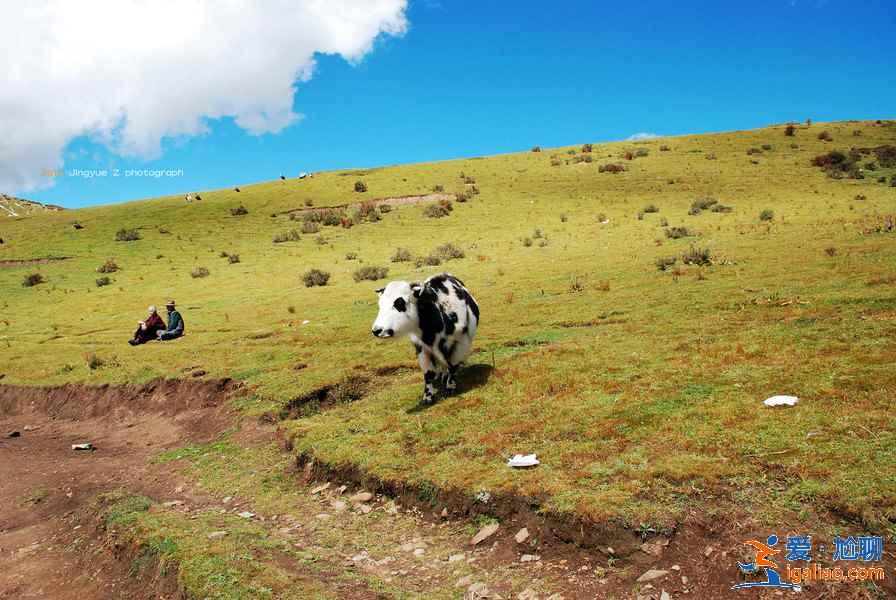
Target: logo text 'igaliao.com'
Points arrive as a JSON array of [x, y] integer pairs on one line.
[[860, 550]]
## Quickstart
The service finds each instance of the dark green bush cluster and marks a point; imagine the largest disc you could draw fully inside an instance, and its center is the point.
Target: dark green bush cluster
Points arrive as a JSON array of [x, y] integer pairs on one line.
[[664, 262], [697, 256], [437, 211], [651, 208], [675, 233], [536, 148], [103, 281], [233, 258], [366, 211], [587, 147], [199, 273], [711, 204], [314, 277], [611, 168], [449, 251], [370, 273], [402, 255], [838, 165], [360, 186], [287, 236], [826, 136], [33, 279], [766, 215], [127, 235], [239, 211]]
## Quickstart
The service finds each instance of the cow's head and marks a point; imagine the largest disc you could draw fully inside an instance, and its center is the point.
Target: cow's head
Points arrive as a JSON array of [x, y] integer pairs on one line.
[[398, 310]]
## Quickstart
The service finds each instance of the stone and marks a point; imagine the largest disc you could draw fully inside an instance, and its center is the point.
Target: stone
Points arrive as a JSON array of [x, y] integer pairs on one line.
[[675, 568], [521, 536], [708, 551], [172, 503], [664, 595], [13, 434], [651, 575], [338, 505], [320, 488], [464, 581], [216, 535], [408, 547], [246, 514], [527, 594], [444, 513], [361, 497], [323, 517], [484, 533], [419, 552], [456, 557], [365, 508], [477, 591], [529, 558]]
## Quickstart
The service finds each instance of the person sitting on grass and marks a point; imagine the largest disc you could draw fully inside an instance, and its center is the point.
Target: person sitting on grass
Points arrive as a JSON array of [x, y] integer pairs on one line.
[[148, 330], [175, 324]]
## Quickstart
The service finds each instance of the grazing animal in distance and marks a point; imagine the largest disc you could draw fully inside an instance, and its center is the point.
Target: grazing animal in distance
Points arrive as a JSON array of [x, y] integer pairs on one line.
[[439, 316]]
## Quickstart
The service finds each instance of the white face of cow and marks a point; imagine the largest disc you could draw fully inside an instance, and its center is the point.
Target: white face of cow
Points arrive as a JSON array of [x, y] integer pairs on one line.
[[398, 311]]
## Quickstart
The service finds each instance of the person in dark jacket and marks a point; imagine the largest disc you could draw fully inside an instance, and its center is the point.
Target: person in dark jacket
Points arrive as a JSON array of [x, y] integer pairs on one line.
[[175, 324], [148, 330]]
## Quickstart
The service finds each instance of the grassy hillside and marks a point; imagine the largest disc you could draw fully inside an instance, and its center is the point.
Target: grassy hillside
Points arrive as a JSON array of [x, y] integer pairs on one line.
[[640, 389]]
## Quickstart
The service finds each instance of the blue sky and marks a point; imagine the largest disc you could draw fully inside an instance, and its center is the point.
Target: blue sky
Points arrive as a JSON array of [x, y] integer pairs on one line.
[[486, 77]]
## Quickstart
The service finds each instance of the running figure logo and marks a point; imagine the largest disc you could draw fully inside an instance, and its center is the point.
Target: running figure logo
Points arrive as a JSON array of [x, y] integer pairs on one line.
[[763, 551]]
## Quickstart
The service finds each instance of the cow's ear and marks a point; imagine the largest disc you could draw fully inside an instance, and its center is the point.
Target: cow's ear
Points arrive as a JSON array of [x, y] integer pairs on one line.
[[380, 291], [416, 289]]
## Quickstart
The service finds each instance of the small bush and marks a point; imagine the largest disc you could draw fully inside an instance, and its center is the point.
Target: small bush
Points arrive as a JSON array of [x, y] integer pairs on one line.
[[790, 130], [110, 266], [239, 211], [751, 151], [886, 156], [583, 158], [830, 251], [556, 162], [436, 211], [766, 215], [675, 233], [351, 256], [825, 136], [536, 148], [701, 204], [767, 147], [587, 147], [537, 234], [287, 236], [360, 186], [33, 279], [710, 156], [640, 215], [127, 235], [309, 202], [430, 261], [664, 222], [576, 285], [664, 262], [370, 273], [233, 258], [103, 281], [641, 152], [402, 255], [720, 208], [527, 242], [199, 273], [94, 362], [628, 155], [385, 208], [438, 188], [563, 218], [664, 148], [697, 256], [611, 168], [462, 196], [310, 227], [449, 251], [651, 208], [315, 277]]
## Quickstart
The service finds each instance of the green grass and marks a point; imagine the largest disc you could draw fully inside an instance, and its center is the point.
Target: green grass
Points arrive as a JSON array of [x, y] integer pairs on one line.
[[641, 389]]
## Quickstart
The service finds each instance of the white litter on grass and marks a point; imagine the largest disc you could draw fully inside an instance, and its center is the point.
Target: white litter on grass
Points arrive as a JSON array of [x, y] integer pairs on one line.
[[305, 322], [82, 446], [246, 514], [781, 401], [522, 461]]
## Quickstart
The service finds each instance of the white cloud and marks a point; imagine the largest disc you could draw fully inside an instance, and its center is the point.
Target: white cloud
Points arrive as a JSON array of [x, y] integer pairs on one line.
[[130, 73], [642, 136]]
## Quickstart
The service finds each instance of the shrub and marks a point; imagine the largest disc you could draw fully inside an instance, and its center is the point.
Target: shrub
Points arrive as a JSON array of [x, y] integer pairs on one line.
[[587, 147], [675, 233], [640, 215], [360, 186], [790, 130], [651, 208], [664, 222], [611, 168], [33, 279], [239, 211], [536, 148], [233, 258], [430, 261], [886, 156], [402, 255], [436, 211], [287, 236], [701, 204], [766, 147], [462, 196], [751, 151], [664, 262], [583, 158], [721, 208], [641, 152], [831, 251], [438, 188], [310, 227], [537, 234], [556, 162], [527, 242], [315, 277], [664, 148], [351, 256], [602, 218], [697, 256], [385, 208], [370, 273], [449, 252], [825, 136], [469, 180], [309, 202], [94, 362], [766, 215], [563, 218], [628, 155], [199, 273], [127, 235], [710, 156], [110, 266], [103, 281], [837, 165], [576, 285]]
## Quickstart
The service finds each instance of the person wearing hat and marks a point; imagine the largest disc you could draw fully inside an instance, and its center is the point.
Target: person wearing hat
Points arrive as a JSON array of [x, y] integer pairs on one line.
[[175, 324], [148, 330]]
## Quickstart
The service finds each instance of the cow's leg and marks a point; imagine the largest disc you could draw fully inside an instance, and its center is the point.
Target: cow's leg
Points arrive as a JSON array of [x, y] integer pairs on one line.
[[429, 375], [450, 380]]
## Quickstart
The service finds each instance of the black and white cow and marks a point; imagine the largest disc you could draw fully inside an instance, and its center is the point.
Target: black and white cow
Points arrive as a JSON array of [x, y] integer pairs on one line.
[[439, 316]]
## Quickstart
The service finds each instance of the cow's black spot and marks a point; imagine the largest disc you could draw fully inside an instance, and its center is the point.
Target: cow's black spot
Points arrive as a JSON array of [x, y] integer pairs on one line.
[[437, 283], [429, 376], [400, 305], [430, 320], [450, 320], [418, 348]]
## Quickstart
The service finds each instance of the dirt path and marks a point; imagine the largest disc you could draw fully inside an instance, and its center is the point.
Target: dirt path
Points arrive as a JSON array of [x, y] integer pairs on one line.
[[366, 547]]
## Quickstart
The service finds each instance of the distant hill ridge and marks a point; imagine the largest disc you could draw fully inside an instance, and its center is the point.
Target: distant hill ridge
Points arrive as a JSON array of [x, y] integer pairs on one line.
[[19, 207]]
